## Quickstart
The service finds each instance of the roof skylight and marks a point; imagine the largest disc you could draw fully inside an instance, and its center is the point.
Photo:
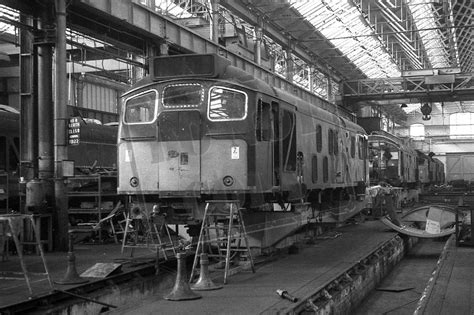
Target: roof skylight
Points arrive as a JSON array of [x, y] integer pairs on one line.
[[6, 15], [425, 21], [341, 23]]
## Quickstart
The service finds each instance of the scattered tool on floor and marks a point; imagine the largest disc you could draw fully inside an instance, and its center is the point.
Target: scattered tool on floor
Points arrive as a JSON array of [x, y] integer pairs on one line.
[[285, 295]]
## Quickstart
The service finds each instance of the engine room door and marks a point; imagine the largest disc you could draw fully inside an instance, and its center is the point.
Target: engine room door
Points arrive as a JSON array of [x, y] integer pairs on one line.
[[277, 153], [180, 146], [264, 146], [284, 147]]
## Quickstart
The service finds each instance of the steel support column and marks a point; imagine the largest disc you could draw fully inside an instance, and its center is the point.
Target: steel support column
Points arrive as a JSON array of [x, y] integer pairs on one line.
[[258, 42], [215, 21], [330, 90], [60, 144], [290, 65], [28, 125], [45, 108]]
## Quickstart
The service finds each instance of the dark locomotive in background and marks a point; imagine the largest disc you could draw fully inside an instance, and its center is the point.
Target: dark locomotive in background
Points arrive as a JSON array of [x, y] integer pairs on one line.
[[95, 152], [395, 161]]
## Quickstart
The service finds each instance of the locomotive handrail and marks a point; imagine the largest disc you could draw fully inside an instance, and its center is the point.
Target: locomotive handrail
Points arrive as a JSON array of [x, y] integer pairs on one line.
[[138, 138], [211, 134]]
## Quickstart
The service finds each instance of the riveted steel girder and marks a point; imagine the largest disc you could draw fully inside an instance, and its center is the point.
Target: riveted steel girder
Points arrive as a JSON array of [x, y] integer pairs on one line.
[[139, 24], [450, 87]]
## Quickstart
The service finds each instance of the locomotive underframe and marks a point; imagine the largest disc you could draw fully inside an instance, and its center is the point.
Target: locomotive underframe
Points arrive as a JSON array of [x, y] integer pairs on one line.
[[270, 217]]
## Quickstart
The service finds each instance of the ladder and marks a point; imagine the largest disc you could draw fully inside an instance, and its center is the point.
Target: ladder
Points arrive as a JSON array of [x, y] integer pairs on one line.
[[145, 233], [223, 228], [16, 222]]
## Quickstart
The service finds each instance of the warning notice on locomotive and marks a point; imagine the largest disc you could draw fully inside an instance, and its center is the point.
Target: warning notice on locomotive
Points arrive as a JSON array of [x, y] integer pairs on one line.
[[235, 153], [74, 131]]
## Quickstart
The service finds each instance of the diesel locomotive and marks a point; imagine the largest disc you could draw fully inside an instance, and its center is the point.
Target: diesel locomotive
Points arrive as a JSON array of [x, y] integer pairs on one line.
[[199, 128], [392, 160], [395, 161]]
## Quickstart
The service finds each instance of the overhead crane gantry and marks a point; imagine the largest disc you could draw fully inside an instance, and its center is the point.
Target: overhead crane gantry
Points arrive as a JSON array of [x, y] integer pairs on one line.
[[411, 89]]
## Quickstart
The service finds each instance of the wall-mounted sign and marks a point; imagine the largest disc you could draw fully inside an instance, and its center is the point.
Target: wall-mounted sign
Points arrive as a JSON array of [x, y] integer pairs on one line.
[[74, 131]]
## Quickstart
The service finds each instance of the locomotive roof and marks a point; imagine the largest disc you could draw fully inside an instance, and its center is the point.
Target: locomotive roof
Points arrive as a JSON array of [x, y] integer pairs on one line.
[[9, 121], [396, 141], [8, 109], [422, 155], [235, 75], [427, 156]]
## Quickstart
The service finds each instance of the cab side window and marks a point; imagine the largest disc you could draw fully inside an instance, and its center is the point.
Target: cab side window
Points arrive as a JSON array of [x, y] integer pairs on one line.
[[330, 141], [319, 138]]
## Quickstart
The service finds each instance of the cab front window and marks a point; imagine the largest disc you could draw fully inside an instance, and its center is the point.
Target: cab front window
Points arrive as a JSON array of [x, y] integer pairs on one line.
[[226, 104], [141, 109], [183, 95]]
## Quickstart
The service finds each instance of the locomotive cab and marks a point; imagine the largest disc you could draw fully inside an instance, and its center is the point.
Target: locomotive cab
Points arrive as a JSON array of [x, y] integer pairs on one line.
[[183, 139], [176, 152]]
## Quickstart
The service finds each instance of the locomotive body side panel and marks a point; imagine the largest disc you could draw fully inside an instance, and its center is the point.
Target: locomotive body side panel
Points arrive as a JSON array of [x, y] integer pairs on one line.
[[98, 146], [224, 165], [138, 171], [349, 163], [422, 170], [179, 152], [137, 152], [307, 146], [227, 155], [178, 168]]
